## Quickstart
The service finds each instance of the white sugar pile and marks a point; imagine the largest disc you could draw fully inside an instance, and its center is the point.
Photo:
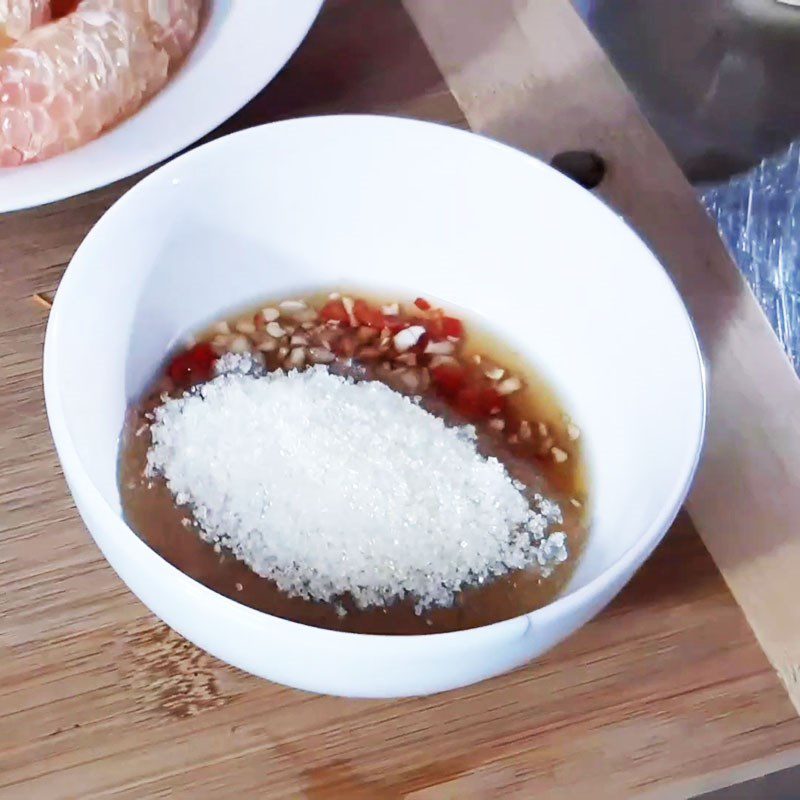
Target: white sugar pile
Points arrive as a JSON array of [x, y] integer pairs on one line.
[[329, 487]]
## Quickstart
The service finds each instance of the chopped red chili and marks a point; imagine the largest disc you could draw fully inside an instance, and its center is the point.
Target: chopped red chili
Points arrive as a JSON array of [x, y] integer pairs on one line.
[[395, 324], [476, 402], [449, 378], [193, 365], [452, 327], [367, 315], [334, 311]]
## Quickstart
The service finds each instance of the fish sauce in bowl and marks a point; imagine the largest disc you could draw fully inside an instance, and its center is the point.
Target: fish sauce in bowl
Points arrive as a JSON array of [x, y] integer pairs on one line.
[[449, 368]]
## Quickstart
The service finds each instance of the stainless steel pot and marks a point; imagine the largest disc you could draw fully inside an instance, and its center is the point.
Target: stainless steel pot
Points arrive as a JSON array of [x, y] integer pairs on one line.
[[718, 79]]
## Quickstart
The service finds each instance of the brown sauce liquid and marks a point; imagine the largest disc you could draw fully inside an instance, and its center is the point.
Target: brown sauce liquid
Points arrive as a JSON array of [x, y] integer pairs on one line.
[[150, 510]]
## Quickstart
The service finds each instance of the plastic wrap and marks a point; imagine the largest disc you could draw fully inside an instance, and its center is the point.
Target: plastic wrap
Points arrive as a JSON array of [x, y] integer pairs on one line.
[[758, 215]]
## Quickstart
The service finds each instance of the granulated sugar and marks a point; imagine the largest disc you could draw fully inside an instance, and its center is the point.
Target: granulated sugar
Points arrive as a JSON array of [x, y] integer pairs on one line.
[[332, 487]]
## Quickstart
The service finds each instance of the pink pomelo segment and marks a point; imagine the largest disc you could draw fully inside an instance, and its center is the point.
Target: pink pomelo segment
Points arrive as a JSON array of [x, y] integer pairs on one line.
[[17, 17], [64, 83]]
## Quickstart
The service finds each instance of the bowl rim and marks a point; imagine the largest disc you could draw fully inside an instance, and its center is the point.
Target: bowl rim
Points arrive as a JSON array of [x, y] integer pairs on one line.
[[561, 606], [77, 180]]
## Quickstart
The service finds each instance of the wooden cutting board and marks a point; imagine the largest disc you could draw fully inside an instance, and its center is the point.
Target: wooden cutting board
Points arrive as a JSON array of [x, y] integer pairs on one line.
[[675, 689]]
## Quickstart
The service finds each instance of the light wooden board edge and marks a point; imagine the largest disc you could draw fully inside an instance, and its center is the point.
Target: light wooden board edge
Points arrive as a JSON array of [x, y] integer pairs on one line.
[[745, 501], [698, 786]]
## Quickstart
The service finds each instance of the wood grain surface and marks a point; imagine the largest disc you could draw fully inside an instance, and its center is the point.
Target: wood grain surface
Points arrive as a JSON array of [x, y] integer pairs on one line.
[[665, 694], [529, 73]]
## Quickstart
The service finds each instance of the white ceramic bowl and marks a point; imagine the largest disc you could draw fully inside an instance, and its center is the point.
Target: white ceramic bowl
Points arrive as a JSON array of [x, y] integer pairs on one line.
[[215, 81], [400, 205]]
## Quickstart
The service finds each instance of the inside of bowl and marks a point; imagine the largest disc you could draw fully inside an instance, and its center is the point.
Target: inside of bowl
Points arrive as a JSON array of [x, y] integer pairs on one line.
[[408, 207]]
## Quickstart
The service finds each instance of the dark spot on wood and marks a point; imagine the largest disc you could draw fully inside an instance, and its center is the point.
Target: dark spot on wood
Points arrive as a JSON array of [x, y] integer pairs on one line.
[[585, 167]]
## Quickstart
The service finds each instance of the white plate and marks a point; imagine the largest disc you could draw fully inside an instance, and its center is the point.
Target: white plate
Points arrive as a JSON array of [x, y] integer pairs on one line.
[[241, 46]]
